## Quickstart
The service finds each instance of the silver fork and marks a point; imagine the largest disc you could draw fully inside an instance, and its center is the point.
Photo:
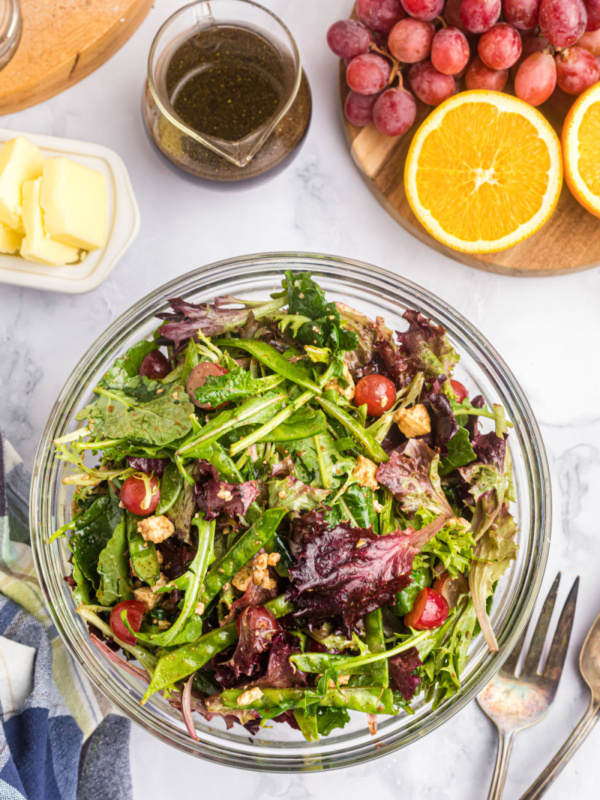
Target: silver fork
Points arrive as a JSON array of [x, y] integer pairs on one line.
[[514, 702]]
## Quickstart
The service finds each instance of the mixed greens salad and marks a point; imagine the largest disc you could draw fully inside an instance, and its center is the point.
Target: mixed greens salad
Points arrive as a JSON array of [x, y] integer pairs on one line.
[[293, 512]]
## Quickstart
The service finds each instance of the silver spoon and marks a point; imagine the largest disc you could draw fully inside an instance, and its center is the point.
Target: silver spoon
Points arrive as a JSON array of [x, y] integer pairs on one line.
[[589, 664]]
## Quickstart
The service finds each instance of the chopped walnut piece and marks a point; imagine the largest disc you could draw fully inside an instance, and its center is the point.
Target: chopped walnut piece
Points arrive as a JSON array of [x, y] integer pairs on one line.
[[364, 472], [241, 579], [147, 597], [413, 421], [156, 529], [249, 696]]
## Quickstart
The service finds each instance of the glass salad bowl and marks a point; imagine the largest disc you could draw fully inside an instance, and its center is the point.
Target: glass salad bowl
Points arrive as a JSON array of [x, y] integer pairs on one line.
[[375, 292]]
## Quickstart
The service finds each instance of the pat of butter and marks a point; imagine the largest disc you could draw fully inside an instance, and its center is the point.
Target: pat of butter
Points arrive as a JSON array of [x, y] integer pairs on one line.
[[37, 245], [73, 199], [20, 161], [10, 240]]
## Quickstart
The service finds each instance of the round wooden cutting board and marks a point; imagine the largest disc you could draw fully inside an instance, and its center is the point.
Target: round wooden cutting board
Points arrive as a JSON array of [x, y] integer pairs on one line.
[[570, 240], [62, 42]]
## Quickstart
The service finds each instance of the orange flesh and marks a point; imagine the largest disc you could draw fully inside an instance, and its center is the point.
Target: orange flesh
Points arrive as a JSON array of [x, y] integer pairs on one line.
[[484, 172]]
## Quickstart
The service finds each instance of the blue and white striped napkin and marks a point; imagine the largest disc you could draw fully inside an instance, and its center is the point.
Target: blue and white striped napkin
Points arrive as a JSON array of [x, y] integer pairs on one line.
[[59, 738]]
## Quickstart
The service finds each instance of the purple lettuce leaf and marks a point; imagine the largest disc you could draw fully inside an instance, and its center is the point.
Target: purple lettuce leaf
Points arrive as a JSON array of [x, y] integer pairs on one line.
[[411, 475], [281, 673], [213, 319], [490, 449], [426, 348], [214, 496], [443, 422], [402, 668], [347, 572], [487, 481], [256, 630], [156, 466], [253, 596], [472, 424]]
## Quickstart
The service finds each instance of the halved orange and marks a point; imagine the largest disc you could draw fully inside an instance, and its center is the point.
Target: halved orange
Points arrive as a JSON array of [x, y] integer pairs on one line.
[[581, 149], [484, 171]]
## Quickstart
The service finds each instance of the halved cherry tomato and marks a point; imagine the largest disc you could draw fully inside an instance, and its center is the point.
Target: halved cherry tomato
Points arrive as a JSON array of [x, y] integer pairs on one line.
[[155, 366], [197, 378], [140, 495], [459, 390], [377, 392], [135, 614], [429, 611], [451, 588]]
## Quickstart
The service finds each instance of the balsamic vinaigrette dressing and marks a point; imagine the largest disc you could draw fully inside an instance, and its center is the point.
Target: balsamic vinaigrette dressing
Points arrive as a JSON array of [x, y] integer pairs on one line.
[[227, 81]]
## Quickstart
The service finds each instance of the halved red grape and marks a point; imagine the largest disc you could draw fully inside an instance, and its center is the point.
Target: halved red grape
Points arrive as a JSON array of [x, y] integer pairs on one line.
[[410, 40], [155, 366], [429, 611], [368, 74], [478, 76], [394, 113], [576, 70], [348, 38], [377, 392], [562, 21], [425, 10], [523, 14], [450, 51], [430, 86], [380, 15], [478, 16], [134, 615], [536, 78], [140, 494], [500, 47], [358, 108], [590, 41]]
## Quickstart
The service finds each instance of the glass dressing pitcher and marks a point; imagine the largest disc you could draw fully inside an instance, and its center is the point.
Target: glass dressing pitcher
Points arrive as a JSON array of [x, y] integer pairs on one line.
[[269, 146]]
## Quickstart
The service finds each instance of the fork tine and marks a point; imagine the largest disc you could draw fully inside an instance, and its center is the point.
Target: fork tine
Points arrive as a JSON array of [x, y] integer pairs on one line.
[[509, 667], [541, 630], [560, 642]]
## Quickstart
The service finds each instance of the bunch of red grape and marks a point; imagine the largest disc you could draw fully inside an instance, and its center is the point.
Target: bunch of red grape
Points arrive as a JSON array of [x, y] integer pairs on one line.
[[397, 49]]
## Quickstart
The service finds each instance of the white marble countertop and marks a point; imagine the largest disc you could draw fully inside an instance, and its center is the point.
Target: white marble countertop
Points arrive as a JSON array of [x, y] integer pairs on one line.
[[547, 330]]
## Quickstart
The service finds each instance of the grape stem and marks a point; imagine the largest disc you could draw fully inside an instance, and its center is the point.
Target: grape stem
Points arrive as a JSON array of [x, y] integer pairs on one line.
[[396, 65]]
